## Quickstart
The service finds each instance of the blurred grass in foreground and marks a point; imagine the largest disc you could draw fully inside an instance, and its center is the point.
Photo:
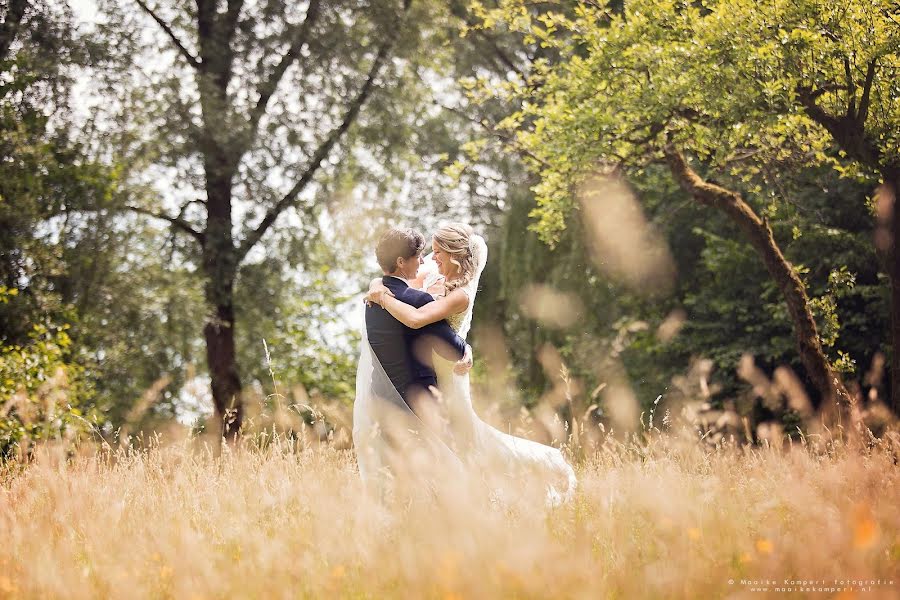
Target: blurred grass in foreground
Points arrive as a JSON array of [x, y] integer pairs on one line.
[[659, 515]]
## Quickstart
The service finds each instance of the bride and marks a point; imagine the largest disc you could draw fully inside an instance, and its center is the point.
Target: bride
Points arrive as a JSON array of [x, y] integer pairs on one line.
[[505, 462]]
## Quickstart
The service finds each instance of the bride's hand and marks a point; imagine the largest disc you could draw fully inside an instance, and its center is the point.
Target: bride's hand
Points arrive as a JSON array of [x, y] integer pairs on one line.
[[464, 365], [376, 294], [418, 282]]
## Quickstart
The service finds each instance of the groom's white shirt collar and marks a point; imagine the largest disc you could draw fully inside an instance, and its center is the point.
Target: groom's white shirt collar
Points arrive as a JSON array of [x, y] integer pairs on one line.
[[400, 278]]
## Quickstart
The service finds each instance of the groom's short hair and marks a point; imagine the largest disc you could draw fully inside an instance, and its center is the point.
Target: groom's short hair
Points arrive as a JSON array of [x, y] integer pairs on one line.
[[396, 243]]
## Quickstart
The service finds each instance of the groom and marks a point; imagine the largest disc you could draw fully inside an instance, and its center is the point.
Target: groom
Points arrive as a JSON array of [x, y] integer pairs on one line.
[[405, 353]]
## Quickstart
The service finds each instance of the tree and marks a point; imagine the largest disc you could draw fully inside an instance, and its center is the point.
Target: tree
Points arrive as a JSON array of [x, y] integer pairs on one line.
[[251, 110], [44, 174], [644, 84], [836, 63], [40, 168]]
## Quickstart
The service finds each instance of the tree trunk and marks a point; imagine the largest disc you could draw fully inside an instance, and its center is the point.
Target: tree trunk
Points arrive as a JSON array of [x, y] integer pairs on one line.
[[220, 260], [818, 369], [849, 131], [222, 361], [220, 254]]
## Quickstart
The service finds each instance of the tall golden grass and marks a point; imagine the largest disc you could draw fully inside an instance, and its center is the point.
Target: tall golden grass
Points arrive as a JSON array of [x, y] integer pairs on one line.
[[657, 515]]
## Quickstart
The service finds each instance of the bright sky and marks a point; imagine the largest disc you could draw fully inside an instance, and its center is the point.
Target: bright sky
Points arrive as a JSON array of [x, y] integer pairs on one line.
[[85, 10]]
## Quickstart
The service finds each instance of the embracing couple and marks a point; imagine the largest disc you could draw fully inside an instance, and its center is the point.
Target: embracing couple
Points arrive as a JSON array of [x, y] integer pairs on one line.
[[413, 415]]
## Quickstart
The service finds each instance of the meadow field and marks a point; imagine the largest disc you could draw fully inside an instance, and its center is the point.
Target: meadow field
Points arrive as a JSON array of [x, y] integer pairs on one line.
[[655, 516]]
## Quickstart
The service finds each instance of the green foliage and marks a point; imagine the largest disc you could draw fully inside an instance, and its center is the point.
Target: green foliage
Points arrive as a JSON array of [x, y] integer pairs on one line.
[[309, 344], [607, 86], [720, 79], [730, 305], [66, 255], [138, 323], [44, 395]]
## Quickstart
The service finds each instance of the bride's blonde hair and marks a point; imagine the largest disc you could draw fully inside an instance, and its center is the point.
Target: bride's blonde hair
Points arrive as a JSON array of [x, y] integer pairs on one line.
[[456, 239]]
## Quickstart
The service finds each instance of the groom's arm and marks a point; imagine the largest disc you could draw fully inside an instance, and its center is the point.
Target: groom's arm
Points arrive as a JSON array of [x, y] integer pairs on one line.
[[451, 346]]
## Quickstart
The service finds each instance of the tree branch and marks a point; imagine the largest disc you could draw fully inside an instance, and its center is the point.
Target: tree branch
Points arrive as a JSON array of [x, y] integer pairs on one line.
[[783, 274], [847, 131], [192, 60], [832, 87], [500, 54], [863, 112], [692, 183], [653, 130], [815, 112], [205, 16], [506, 140], [177, 222], [851, 88], [269, 86], [324, 148]]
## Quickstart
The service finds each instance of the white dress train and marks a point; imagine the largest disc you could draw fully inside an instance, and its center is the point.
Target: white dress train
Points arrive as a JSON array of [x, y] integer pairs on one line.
[[506, 462]]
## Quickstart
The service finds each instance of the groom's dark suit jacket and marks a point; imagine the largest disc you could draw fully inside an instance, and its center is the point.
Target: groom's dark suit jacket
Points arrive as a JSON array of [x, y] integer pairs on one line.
[[405, 353]]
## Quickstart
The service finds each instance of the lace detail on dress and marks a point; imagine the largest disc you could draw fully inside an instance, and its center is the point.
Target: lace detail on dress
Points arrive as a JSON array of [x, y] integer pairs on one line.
[[461, 322], [456, 322]]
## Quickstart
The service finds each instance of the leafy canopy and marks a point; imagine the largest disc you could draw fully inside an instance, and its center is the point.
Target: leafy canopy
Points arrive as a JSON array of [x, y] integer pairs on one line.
[[729, 80]]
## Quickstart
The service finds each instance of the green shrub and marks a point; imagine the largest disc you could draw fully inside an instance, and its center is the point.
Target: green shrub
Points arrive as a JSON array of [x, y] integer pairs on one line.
[[42, 391]]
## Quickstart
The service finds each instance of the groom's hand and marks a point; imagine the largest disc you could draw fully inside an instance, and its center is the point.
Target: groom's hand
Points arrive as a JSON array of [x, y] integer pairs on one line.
[[464, 364]]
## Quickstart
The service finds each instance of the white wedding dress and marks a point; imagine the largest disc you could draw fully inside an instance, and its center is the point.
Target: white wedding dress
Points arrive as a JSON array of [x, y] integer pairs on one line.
[[505, 462], [511, 467]]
